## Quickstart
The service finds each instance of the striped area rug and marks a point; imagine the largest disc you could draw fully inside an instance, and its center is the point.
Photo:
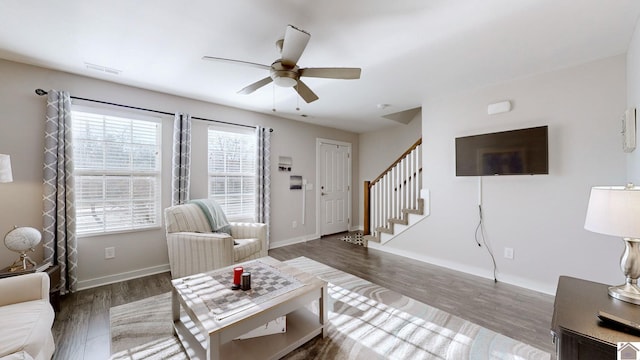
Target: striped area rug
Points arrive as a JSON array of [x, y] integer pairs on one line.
[[366, 321]]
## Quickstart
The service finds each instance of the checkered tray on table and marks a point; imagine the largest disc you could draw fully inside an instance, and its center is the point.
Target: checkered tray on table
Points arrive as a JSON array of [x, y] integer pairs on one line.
[[215, 291]]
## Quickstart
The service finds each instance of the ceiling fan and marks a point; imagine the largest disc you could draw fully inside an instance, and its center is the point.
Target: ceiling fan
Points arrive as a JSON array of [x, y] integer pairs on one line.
[[285, 71]]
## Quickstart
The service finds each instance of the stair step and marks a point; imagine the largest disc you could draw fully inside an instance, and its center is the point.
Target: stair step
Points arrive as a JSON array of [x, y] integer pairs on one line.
[[377, 234], [413, 211], [404, 221], [418, 211], [385, 230], [373, 238]]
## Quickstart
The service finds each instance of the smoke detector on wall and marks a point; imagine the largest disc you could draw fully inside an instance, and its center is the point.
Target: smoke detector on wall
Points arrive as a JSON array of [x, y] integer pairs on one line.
[[499, 107]]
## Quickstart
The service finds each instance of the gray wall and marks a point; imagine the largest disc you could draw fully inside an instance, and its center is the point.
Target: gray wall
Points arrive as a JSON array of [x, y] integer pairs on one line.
[[633, 100], [541, 217], [139, 253]]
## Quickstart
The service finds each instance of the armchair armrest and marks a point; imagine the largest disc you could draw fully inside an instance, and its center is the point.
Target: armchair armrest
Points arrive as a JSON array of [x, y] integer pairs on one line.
[[192, 253], [22, 288], [245, 230]]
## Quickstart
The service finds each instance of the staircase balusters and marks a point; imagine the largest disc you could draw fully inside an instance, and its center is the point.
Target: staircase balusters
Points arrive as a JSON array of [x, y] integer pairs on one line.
[[395, 191]]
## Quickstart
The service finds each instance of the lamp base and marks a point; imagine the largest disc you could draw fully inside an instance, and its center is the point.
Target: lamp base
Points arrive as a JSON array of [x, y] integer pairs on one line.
[[626, 292]]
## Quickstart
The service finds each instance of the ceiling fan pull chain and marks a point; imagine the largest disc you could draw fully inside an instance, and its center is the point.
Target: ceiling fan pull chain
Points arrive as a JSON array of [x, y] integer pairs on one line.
[[297, 99], [273, 88]]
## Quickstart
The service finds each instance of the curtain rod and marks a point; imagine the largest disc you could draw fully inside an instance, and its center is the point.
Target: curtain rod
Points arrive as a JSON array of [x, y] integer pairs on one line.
[[41, 92]]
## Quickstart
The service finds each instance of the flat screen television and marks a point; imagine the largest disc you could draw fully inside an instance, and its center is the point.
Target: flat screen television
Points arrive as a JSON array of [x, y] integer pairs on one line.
[[514, 152]]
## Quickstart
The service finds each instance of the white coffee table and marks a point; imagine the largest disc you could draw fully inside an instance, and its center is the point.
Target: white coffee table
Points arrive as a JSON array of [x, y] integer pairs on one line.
[[205, 337]]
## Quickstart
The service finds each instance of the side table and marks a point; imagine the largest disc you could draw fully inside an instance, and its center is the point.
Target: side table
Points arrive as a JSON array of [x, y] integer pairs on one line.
[[54, 281], [577, 332]]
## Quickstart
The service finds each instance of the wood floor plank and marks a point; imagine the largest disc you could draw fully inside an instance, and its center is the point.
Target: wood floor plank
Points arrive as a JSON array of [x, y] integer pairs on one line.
[[522, 314], [81, 327]]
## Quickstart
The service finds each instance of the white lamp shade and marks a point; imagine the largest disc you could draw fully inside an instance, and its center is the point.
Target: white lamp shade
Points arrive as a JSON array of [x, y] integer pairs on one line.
[[5, 169], [614, 210]]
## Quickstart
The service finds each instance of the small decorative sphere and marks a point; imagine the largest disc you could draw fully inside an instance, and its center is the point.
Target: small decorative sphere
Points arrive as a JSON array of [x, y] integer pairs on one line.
[[22, 239]]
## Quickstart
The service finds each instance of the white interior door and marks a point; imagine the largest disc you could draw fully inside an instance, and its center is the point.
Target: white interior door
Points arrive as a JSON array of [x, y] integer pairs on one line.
[[334, 186]]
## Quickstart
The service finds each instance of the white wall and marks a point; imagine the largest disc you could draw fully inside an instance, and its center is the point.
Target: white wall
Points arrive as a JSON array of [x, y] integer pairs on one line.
[[541, 217], [633, 100], [138, 253], [379, 149]]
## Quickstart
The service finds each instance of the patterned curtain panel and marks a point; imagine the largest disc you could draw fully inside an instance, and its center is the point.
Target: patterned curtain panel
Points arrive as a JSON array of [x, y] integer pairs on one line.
[[181, 159], [263, 199], [59, 227]]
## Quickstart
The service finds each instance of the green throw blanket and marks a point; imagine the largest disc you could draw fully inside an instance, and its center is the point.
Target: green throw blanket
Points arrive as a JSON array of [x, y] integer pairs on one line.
[[215, 215]]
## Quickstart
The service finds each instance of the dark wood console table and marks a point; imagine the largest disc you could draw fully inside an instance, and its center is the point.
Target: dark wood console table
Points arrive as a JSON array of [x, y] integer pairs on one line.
[[576, 330]]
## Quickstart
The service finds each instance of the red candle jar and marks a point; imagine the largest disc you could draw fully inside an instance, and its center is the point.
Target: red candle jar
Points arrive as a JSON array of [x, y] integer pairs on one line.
[[237, 275]]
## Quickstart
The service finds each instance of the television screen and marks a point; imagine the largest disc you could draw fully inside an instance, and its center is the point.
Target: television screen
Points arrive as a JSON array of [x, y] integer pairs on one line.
[[514, 152]]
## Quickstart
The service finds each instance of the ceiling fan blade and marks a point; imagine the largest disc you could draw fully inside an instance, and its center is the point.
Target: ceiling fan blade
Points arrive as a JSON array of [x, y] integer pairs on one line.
[[295, 41], [255, 86], [237, 62], [305, 93], [332, 73]]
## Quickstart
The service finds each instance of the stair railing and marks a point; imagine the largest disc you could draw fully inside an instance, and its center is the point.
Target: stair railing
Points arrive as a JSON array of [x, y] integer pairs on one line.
[[395, 189]]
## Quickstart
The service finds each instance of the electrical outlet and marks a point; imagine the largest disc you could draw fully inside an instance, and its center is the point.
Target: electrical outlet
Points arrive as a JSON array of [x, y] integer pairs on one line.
[[508, 253], [294, 224], [110, 252]]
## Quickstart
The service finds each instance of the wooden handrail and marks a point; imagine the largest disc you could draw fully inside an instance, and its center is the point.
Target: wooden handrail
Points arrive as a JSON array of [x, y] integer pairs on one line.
[[415, 145], [367, 209]]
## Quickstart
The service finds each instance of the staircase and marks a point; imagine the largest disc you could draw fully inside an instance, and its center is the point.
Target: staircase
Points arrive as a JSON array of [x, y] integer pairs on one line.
[[394, 201]]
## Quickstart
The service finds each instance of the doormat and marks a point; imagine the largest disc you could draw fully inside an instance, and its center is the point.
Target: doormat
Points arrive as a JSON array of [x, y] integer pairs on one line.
[[354, 238]]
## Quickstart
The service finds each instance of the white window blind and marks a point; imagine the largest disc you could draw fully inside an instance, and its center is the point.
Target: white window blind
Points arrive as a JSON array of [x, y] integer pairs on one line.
[[232, 172], [116, 172]]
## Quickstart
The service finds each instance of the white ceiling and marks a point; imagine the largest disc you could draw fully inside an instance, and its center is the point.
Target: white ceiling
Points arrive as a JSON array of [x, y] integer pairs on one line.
[[409, 50]]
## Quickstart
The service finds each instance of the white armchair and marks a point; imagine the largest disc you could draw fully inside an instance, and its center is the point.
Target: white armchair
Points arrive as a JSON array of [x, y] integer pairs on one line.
[[26, 317], [194, 248]]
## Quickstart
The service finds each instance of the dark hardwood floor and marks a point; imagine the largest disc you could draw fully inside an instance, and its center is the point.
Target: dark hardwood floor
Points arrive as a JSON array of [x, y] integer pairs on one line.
[[81, 328]]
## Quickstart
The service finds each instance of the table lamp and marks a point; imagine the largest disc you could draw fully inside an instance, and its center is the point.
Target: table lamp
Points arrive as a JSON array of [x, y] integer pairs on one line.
[[615, 210]]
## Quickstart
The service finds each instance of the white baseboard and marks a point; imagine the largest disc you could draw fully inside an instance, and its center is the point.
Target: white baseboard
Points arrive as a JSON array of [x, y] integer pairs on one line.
[[472, 270], [301, 239], [106, 280]]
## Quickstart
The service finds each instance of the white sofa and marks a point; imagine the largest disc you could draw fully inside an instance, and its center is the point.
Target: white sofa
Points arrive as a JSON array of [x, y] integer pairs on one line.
[[194, 248], [26, 317]]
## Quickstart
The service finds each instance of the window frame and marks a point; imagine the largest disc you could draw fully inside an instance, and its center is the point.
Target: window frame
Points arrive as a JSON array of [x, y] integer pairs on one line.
[[244, 216], [130, 173]]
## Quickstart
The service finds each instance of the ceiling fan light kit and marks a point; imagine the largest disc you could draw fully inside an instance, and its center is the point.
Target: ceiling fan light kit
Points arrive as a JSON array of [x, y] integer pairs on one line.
[[282, 76], [285, 81], [285, 71]]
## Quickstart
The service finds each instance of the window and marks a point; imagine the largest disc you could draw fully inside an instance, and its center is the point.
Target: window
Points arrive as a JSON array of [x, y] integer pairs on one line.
[[116, 172], [232, 172]]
